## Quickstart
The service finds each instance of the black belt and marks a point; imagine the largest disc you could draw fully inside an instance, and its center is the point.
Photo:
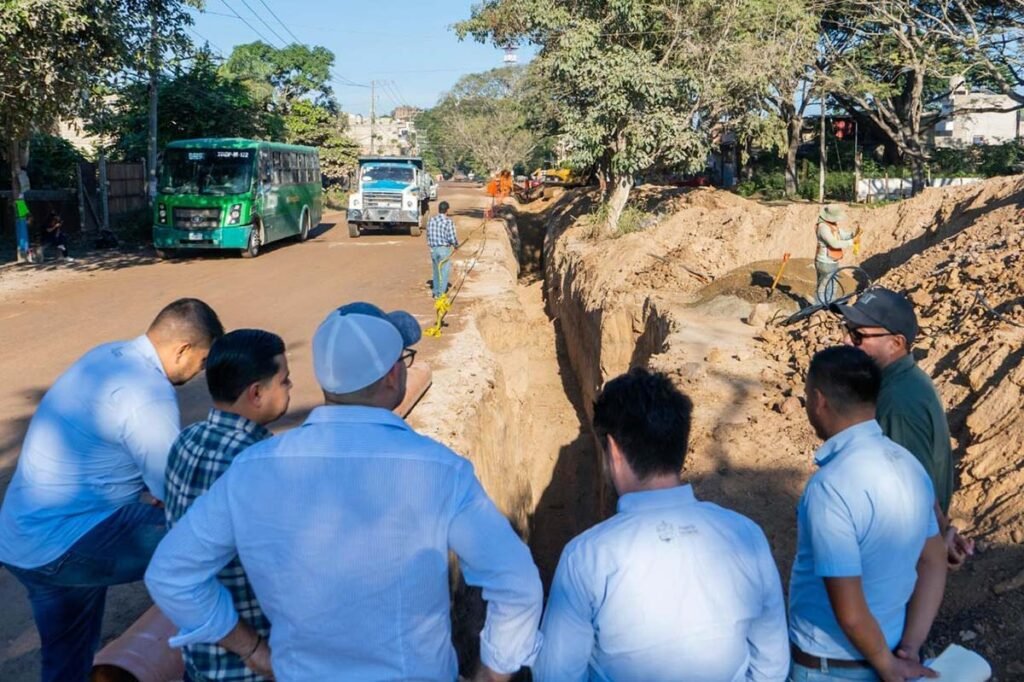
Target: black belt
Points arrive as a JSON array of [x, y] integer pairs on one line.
[[821, 663]]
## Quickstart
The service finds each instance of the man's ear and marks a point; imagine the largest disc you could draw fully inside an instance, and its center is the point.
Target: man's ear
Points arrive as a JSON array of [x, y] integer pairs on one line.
[[254, 393], [183, 348], [614, 451]]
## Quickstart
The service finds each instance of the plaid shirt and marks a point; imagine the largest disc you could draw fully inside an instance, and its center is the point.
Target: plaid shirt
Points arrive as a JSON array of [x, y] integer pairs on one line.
[[201, 455], [441, 231]]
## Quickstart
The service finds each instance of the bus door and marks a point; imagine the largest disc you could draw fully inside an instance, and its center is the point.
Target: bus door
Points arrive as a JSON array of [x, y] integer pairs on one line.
[[270, 194]]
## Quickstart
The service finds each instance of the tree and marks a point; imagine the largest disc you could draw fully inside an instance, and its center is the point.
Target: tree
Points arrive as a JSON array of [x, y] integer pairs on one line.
[[317, 126], [481, 123], [892, 61], [196, 101], [635, 83], [53, 53], [282, 77]]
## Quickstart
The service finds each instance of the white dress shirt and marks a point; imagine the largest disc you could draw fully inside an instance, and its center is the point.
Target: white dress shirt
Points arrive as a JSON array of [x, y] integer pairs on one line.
[[670, 588], [344, 526], [101, 435]]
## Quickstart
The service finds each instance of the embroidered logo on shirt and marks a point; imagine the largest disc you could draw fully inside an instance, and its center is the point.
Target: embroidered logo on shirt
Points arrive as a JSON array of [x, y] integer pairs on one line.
[[667, 532]]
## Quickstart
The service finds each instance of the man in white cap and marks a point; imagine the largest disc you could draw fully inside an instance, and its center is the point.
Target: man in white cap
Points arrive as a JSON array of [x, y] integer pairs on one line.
[[344, 527], [833, 237]]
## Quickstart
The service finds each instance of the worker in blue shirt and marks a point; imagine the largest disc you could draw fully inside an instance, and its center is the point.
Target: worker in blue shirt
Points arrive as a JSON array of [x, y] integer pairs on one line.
[[73, 520], [344, 526], [670, 588], [870, 567]]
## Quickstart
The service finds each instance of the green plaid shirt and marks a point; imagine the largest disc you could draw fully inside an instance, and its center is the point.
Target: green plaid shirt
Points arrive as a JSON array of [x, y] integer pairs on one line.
[[201, 455]]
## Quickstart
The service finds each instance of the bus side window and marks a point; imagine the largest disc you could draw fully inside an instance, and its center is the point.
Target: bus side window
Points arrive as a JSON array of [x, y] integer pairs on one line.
[[277, 168]]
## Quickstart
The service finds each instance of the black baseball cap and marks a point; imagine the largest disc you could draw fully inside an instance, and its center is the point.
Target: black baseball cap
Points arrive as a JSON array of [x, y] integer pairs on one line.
[[880, 307]]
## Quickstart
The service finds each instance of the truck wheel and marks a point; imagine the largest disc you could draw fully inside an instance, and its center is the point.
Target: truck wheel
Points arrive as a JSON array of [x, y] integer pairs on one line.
[[353, 230], [252, 249], [414, 230]]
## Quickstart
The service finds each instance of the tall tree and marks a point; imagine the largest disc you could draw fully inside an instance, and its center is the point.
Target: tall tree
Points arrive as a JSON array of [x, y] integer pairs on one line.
[[893, 61], [196, 102], [282, 77], [481, 123], [311, 124], [635, 82], [53, 53]]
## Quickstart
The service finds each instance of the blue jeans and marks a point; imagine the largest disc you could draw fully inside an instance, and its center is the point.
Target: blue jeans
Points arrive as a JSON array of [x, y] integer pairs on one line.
[[799, 673], [827, 287], [439, 284], [68, 594]]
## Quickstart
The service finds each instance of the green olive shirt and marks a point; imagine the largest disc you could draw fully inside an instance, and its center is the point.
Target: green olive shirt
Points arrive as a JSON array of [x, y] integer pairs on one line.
[[911, 414]]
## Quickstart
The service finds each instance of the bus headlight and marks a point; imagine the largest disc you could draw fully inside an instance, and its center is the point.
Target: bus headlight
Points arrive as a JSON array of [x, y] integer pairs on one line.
[[235, 214], [162, 214]]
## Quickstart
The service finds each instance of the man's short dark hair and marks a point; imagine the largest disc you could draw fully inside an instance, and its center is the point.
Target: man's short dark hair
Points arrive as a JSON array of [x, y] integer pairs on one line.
[[648, 417], [846, 375], [240, 359], [193, 319], [443, 207]]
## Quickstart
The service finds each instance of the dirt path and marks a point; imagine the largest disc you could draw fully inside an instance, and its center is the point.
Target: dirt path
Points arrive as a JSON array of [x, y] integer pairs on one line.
[[49, 316]]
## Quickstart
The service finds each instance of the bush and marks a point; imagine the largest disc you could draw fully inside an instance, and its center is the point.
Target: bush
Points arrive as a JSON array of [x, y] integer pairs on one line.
[[53, 162], [336, 199]]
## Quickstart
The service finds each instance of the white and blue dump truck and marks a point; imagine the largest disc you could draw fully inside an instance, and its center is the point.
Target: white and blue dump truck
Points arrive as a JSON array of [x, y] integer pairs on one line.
[[390, 192]]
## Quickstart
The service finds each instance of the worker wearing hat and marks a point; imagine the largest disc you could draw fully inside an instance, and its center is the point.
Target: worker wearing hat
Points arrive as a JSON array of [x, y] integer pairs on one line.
[[833, 238], [344, 527], [882, 323]]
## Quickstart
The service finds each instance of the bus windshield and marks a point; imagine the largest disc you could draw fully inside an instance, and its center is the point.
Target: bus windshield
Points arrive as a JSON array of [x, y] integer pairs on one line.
[[214, 172], [394, 173]]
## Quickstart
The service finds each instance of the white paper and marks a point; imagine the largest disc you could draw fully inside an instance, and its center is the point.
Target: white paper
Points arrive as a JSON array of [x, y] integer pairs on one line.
[[957, 664]]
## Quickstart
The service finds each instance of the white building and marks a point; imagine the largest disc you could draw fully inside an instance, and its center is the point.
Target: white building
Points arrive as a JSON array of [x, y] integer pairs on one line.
[[976, 118]]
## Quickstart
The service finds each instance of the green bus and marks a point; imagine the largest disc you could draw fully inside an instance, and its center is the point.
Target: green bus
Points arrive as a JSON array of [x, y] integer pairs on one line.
[[232, 193]]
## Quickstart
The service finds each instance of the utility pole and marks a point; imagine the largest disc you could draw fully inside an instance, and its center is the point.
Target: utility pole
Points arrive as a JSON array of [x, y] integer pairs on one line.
[[373, 113], [824, 155], [154, 75]]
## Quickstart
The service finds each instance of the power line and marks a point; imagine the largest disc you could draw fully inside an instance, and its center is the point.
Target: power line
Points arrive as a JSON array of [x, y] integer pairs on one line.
[[244, 21], [206, 40], [284, 43], [295, 37]]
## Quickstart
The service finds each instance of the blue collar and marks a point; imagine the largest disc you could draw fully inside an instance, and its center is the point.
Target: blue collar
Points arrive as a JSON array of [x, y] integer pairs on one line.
[[355, 414], [837, 443], [148, 351], [656, 499]]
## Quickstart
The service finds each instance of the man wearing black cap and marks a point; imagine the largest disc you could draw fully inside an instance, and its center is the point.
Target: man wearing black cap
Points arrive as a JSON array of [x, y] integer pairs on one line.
[[882, 323]]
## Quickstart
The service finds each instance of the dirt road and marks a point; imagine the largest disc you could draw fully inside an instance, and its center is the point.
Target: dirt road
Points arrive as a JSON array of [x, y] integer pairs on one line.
[[48, 318]]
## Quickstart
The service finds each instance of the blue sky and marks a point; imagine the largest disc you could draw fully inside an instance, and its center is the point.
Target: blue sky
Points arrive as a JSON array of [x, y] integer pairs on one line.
[[407, 44]]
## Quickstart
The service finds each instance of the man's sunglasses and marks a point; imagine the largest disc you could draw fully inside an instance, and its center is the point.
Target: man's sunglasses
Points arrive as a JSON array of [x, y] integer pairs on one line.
[[408, 356], [857, 336]]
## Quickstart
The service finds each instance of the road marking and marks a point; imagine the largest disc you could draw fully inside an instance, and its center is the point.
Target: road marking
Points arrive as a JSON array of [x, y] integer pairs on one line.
[[390, 242]]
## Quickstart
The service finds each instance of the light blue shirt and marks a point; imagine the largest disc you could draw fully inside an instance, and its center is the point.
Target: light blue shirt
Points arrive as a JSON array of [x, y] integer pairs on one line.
[[99, 437], [866, 512], [344, 526], [669, 588]]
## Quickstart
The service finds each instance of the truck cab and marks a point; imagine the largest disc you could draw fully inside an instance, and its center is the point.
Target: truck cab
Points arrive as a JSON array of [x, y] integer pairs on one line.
[[390, 192]]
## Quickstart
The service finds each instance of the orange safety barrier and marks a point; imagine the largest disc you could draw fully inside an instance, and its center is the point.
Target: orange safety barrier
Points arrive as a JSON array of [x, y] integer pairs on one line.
[[142, 653]]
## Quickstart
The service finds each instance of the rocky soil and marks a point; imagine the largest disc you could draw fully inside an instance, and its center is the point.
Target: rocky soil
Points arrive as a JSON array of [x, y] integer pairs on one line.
[[676, 295]]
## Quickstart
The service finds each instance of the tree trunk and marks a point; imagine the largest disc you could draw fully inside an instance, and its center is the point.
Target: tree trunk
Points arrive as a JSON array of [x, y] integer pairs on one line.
[[794, 126], [622, 185], [917, 174]]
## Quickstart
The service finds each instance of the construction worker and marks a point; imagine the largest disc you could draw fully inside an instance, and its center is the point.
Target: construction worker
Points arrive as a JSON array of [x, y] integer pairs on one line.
[[442, 239], [833, 238]]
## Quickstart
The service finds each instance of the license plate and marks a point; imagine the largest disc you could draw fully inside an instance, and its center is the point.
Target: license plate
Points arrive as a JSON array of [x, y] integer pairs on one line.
[[196, 236]]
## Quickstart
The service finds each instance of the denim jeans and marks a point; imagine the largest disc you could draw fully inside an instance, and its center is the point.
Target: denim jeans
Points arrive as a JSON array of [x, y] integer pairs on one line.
[[438, 254], [68, 594], [827, 287], [799, 673]]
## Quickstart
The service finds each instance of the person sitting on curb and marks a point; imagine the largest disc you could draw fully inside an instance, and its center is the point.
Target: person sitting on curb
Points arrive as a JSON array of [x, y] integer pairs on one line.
[[54, 236], [344, 526]]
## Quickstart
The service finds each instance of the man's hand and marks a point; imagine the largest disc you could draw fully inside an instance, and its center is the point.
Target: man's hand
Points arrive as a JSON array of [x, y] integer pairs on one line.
[[905, 665], [958, 548], [147, 498], [485, 674], [259, 662]]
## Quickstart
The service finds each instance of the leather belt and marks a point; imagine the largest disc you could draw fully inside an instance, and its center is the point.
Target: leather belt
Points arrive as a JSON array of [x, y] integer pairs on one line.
[[821, 663]]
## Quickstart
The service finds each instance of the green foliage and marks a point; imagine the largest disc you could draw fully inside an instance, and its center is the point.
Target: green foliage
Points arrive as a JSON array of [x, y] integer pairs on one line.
[[632, 219], [336, 199], [280, 78], [481, 124], [311, 124], [195, 101], [53, 162]]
